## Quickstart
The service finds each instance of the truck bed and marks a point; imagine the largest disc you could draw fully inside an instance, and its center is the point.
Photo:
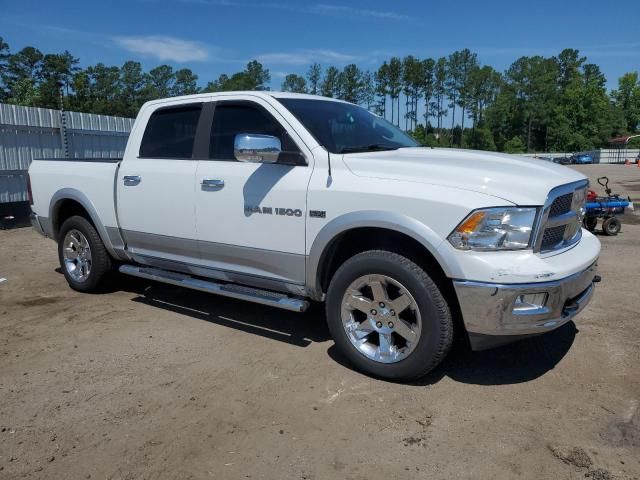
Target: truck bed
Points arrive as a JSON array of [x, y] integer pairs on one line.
[[91, 180]]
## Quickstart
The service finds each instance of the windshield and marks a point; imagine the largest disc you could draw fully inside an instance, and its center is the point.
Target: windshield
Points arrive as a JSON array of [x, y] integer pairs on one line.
[[346, 128]]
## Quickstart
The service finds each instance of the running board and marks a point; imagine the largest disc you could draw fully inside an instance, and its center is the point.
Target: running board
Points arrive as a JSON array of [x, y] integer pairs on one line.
[[264, 297]]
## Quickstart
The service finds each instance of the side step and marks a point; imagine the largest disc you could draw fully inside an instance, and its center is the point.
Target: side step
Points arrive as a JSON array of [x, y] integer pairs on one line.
[[264, 297]]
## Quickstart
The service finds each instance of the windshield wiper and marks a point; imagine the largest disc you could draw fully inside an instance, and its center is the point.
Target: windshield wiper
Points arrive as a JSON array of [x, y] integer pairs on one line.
[[368, 148]]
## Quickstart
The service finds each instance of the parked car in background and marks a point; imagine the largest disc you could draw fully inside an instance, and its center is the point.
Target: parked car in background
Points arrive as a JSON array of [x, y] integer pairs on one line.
[[562, 160], [581, 159]]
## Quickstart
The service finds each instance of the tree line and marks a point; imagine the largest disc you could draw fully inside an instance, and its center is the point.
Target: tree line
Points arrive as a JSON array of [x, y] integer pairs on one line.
[[557, 103]]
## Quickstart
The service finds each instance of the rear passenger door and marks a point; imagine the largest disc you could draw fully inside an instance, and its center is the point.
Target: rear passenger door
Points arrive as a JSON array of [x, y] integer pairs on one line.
[[250, 217], [156, 186]]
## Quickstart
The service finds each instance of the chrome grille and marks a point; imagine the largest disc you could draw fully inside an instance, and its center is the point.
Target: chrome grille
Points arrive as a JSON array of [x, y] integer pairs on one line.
[[561, 217], [561, 205], [552, 236]]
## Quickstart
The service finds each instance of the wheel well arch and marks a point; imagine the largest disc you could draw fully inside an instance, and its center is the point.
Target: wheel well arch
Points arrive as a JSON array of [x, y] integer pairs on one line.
[[68, 202], [65, 208], [364, 228], [360, 239]]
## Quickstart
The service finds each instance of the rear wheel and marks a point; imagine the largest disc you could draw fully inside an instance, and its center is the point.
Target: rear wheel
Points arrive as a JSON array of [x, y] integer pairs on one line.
[[611, 226], [85, 262], [388, 317]]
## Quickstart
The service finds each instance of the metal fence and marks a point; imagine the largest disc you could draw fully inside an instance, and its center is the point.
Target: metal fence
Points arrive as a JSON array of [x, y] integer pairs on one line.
[[28, 133], [616, 155]]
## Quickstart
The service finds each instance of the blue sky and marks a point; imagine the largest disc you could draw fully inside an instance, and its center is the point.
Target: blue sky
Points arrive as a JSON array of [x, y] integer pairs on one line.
[[216, 36]]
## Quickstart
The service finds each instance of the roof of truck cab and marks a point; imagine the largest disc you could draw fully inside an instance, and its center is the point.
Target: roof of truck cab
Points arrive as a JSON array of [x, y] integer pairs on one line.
[[255, 93], [302, 96]]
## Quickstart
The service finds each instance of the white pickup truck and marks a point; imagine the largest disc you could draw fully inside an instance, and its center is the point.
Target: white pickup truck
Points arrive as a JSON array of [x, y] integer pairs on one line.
[[282, 198]]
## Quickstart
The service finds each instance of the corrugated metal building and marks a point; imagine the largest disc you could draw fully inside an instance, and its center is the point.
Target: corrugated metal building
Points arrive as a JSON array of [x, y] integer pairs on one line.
[[27, 133]]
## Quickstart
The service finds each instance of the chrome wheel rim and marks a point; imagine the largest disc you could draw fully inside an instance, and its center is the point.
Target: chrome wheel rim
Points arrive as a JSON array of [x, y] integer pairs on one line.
[[381, 318], [77, 255]]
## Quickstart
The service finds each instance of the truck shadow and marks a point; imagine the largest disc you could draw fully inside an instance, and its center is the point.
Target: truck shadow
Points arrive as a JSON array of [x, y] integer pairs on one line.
[[261, 182], [289, 327], [519, 362]]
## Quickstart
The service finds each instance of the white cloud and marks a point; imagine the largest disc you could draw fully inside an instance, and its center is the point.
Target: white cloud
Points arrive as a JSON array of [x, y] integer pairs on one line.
[[164, 48], [305, 57], [313, 8], [343, 10]]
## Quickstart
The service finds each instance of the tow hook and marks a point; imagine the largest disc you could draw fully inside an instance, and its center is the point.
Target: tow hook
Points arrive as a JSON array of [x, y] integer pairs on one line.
[[597, 279]]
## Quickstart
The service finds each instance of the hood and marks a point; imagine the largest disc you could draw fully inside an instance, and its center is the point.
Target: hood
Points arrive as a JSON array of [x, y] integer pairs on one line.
[[520, 180]]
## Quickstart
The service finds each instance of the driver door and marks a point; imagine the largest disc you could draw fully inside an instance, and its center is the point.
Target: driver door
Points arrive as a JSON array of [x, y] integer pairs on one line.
[[250, 217]]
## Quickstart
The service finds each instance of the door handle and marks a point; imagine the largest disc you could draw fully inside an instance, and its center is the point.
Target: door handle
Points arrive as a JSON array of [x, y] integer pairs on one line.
[[212, 184], [131, 180]]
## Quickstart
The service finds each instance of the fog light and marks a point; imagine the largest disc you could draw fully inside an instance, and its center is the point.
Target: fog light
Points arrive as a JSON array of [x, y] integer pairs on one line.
[[530, 302]]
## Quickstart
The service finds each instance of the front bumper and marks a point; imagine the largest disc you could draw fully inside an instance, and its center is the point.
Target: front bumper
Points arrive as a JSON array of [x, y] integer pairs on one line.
[[491, 317]]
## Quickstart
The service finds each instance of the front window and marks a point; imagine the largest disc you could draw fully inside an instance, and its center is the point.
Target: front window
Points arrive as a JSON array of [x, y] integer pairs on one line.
[[346, 128], [233, 118]]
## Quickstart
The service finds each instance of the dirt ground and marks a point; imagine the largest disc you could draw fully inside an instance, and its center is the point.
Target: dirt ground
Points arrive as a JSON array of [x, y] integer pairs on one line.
[[155, 382]]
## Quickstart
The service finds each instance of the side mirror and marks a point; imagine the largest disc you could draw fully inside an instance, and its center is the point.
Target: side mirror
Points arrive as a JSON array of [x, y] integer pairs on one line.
[[256, 148]]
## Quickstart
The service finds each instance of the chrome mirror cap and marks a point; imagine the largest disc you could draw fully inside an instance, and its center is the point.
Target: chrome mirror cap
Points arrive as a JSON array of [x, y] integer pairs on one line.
[[256, 148]]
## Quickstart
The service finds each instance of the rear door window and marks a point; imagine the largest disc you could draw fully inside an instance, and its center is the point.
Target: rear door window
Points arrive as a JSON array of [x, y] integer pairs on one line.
[[171, 132]]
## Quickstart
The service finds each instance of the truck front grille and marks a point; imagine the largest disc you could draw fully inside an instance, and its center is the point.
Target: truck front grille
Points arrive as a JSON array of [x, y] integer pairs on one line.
[[561, 219], [561, 205], [552, 237]]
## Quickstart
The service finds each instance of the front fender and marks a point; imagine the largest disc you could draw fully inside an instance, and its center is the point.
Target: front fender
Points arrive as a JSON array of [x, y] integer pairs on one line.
[[367, 218]]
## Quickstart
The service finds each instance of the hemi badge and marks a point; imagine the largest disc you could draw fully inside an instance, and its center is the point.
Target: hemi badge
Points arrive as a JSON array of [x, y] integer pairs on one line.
[[317, 213]]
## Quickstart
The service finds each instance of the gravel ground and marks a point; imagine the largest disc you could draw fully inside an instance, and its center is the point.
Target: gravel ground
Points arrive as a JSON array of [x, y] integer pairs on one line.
[[156, 382]]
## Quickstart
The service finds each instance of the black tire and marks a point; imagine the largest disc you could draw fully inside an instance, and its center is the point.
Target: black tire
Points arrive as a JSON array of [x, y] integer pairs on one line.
[[590, 223], [611, 226], [436, 335], [101, 262]]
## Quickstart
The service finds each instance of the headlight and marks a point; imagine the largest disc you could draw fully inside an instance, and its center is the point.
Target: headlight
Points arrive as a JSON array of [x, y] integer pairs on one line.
[[501, 228]]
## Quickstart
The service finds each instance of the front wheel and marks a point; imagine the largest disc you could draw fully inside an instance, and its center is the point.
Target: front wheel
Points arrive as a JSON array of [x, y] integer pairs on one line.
[[388, 317], [84, 260]]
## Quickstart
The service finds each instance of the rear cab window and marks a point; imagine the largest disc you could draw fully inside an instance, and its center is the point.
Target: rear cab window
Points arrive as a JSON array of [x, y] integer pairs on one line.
[[171, 132]]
